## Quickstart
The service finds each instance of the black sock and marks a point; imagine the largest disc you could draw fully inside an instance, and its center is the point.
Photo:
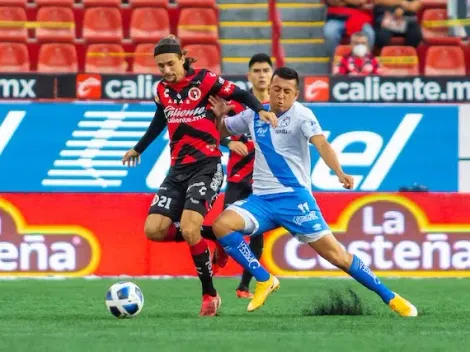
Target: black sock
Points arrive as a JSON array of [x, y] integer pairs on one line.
[[179, 236], [207, 233], [256, 246], [201, 257]]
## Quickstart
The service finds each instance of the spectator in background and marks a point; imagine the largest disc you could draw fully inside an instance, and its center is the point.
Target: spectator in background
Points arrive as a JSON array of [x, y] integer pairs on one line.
[[347, 17], [360, 61], [397, 18], [458, 10]]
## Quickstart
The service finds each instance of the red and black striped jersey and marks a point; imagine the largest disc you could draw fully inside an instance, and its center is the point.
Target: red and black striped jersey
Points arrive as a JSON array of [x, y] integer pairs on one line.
[[239, 167], [192, 127], [191, 123]]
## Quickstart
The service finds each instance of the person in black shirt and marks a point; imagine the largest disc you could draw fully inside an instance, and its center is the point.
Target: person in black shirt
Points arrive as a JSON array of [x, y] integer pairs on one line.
[[397, 18]]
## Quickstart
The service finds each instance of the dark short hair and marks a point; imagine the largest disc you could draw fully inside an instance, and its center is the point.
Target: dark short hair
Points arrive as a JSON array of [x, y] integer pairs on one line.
[[287, 73], [261, 57]]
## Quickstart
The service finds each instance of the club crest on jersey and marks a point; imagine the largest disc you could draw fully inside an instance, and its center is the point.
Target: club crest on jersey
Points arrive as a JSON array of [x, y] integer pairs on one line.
[[284, 122], [194, 94]]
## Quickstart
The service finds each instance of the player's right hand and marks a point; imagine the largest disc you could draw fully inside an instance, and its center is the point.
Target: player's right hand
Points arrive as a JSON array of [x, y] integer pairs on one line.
[[238, 147], [269, 117], [347, 181], [219, 106], [131, 158]]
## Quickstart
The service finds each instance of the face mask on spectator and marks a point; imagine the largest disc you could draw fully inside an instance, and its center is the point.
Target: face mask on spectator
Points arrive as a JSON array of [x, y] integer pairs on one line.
[[360, 50]]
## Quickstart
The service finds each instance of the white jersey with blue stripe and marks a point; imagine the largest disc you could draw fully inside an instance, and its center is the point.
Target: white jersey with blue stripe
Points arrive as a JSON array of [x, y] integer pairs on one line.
[[282, 154]]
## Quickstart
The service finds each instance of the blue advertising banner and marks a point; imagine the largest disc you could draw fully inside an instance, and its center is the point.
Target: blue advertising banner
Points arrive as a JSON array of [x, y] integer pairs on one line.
[[77, 147]]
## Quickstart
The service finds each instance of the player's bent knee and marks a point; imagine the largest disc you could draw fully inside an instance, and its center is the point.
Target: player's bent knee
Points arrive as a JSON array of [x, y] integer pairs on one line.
[[227, 222], [191, 233], [191, 222], [155, 229]]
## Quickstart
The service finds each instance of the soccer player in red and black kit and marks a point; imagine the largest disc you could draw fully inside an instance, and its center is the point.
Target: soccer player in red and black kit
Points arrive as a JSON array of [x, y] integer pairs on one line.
[[196, 175], [242, 156]]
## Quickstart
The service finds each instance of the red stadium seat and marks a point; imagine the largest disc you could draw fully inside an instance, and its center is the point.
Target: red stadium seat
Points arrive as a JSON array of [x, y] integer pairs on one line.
[[105, 58], [55, 14], [68, 3], [15, 33], [143, 59], [195, 3], [149, 24], [437, 35], [60, 58], [153, 3], [198, 26], [88, 3], [13, 3], [14, 57], [402, 61], [208, 56], [445, 61], [434, 3], [340, 51], [102, 24]]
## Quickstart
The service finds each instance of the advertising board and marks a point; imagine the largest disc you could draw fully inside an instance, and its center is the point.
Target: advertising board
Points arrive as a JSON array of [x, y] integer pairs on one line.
[[77, 147], [66, 234]]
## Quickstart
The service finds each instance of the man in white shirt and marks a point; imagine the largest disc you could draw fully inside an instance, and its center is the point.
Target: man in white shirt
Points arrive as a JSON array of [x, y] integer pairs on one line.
[[282, 193]]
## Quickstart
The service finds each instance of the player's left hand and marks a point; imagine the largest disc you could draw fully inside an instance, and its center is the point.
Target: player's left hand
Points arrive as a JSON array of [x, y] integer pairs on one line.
[[220, 106], [131, 158], [269, 117], [347, 181]]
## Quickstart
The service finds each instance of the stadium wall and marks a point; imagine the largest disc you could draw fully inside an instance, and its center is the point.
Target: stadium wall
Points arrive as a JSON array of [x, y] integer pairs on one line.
[[69, 208]]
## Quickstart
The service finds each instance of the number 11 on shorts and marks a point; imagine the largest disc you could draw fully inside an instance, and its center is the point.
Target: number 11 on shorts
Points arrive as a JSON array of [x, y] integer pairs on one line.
[[304, 207]]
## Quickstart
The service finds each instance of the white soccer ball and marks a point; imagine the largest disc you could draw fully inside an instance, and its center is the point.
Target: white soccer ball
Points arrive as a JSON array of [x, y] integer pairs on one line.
[[124, 300]]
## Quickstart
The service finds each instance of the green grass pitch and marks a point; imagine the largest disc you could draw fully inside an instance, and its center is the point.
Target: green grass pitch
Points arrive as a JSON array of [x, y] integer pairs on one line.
[[70, 315]]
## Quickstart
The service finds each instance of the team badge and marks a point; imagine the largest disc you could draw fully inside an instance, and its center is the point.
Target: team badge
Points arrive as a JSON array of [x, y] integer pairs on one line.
[[284, 122], [194, 94]]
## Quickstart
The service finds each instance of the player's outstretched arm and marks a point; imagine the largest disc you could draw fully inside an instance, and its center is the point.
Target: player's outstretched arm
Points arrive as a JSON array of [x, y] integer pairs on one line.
[[229, 91], [220, 109], [330, 158], [132, 156], [231, 125]]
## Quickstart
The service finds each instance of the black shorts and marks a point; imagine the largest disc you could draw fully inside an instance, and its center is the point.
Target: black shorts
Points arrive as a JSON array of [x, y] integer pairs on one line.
[[236, 191], [194, 189]]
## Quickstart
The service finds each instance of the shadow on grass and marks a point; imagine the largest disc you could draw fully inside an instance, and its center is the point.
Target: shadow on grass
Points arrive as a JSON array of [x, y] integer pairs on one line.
[[345, 302]]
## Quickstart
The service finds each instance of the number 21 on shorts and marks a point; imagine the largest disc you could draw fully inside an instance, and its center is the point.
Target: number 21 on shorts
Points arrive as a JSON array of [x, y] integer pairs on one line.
[[161, 201]]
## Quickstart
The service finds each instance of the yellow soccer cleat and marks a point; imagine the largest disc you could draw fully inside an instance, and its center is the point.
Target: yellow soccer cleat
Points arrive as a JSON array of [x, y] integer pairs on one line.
[[402, 306], [262, 292]]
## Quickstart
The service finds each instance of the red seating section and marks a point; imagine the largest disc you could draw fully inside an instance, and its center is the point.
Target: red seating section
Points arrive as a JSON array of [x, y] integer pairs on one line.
[[207, 56], [149, 24], [60, 57], [402, 61], [445, 61], [59, 35], [105, 58], [55, 14], [79, 35], [13, 33], [14, 57]]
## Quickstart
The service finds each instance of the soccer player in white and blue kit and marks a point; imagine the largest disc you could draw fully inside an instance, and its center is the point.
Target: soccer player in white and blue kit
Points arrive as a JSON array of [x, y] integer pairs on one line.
[[282, 191]]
